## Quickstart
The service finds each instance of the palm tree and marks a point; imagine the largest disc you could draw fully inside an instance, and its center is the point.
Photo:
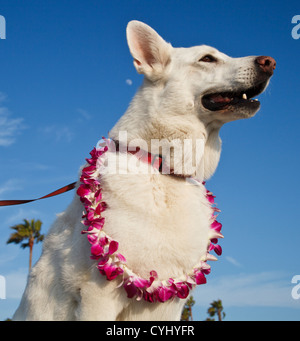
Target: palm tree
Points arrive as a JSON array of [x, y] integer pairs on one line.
[[186, 314], [216, 308], [29, 230]]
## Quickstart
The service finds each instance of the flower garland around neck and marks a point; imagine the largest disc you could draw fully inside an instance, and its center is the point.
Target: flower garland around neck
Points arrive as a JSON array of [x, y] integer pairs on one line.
[[104, 249]]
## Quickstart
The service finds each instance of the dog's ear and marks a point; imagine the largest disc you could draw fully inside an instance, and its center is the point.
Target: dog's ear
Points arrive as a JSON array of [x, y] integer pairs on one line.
[[150, 52]]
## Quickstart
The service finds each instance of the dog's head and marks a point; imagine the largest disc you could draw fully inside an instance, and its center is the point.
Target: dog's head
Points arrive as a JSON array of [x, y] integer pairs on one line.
[[201, 79], [189, 93]]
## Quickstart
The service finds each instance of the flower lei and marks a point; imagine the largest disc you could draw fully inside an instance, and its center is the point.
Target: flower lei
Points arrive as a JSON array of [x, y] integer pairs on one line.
[[113, 264]]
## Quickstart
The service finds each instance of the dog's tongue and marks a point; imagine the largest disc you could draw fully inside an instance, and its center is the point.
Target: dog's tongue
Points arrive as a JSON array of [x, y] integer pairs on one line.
[[220, 99]]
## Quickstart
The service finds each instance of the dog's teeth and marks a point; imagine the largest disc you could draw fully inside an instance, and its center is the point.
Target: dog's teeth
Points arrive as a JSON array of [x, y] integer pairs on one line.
[[244, 96]]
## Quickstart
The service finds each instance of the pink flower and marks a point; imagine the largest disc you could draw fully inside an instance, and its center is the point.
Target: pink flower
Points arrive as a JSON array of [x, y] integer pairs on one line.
[[89, 170], [134, 285], [182, 289], [83, 190], [164, 293], [96, 153], [216, 226], [216, 248], [90, 213], [97, 223], [92, 237], [86, 202], [130, 288], [205, 268], [210, 197], [113, 247], [140, 282], [103, 260], [149, 297], [87, 180], [121, 258], [98, 195], [96, 251], [93, 224], [199, 277], [101, 207], [111, 271], [153, 277], [103, 241]]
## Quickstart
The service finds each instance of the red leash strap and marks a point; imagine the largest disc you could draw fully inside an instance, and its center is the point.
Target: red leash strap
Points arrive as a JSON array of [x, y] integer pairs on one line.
[[156, 161], [57, 192]]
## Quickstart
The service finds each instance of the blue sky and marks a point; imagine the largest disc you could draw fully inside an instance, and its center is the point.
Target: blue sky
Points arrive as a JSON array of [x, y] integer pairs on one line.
[[67, 76]]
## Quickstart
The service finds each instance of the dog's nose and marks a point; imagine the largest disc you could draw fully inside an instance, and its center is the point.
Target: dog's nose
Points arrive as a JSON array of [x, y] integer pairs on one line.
[[267, 64]]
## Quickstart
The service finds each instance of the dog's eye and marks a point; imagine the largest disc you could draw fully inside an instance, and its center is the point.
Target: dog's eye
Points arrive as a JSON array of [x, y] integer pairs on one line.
[[208, 59]]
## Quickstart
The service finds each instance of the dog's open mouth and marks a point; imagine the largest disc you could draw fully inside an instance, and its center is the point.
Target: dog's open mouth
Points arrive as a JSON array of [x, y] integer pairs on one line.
[[223, 100]]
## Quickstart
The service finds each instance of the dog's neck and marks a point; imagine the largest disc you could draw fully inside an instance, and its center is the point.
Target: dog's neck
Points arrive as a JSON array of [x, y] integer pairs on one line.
[[149, 119]]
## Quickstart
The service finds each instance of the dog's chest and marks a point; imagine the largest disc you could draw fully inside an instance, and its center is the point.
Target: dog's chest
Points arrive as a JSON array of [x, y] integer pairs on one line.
[[161, 223]]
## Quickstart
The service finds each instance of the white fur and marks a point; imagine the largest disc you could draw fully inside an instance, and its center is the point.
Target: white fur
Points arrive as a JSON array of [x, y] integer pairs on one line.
[[160, 222]]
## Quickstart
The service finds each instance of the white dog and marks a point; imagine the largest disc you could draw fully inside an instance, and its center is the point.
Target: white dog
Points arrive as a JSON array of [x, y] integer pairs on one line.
[[159, 221]]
